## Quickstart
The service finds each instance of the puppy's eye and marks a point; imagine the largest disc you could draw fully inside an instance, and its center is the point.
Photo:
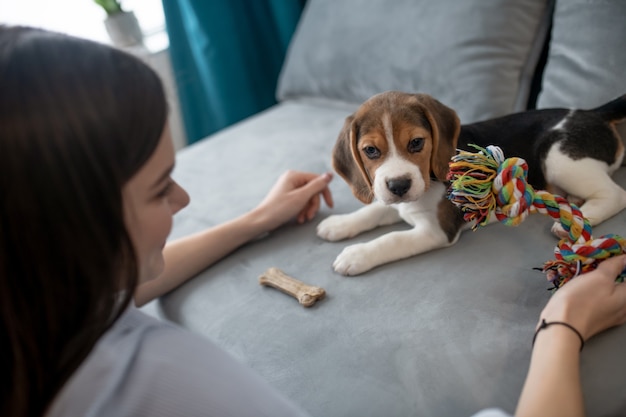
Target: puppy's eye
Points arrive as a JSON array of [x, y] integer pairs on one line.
[[371, 152], [416, 145]]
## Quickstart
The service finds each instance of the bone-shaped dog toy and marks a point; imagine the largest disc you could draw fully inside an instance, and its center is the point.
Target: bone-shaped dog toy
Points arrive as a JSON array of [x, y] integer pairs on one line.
[[306, 295]]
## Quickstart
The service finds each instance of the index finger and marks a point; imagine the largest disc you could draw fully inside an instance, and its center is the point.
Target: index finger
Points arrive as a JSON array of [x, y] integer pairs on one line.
[[613, 266], [328, 197]]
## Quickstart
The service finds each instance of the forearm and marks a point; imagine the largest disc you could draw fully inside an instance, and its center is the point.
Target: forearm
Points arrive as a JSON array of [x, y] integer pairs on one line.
[[553, 387], [295, 195], [188, 256]]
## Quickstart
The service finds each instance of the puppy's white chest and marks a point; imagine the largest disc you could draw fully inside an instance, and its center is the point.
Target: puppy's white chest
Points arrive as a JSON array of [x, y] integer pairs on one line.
[[425, 208]]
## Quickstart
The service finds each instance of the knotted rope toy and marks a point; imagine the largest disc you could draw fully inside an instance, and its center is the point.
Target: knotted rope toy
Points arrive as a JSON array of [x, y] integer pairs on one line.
[[485, 182]]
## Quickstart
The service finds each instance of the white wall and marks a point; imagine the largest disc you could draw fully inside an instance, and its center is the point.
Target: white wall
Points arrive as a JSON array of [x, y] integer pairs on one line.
[[160, 61], [84, 18]]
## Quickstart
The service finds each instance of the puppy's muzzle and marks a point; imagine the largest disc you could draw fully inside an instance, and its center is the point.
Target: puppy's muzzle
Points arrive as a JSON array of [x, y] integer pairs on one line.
[[399, 186]]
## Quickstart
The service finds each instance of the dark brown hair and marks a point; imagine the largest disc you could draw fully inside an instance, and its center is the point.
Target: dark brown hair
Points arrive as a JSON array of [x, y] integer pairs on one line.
[[77, 120]]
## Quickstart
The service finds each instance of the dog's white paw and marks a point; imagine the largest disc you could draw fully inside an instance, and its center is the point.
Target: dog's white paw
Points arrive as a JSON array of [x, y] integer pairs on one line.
[[354, 260], [336, 227]]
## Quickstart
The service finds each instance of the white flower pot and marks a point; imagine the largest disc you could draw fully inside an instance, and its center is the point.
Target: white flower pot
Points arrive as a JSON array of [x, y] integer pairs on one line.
[[123, 29]]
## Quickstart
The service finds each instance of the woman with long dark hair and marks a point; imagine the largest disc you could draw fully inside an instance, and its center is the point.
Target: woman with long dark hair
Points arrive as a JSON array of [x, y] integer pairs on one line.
[[87, 204]]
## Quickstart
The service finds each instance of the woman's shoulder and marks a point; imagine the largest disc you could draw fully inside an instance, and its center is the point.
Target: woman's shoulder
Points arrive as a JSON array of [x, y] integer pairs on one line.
[[145, 366]]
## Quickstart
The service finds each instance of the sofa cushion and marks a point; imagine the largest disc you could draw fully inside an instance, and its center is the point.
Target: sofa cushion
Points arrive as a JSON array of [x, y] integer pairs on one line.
[[587, 57], [475, 56]]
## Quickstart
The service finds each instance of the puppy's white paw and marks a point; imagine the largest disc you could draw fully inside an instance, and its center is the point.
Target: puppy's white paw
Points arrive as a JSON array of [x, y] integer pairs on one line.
[[336, 227], [354, 260]]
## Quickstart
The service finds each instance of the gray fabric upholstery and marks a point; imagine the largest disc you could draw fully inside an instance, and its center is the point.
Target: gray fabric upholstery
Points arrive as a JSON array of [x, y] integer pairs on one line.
[[351, 49], [587, 59], [445, 333]]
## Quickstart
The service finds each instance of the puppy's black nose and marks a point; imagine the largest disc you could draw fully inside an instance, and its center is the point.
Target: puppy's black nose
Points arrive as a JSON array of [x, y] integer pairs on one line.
[[399, 186]]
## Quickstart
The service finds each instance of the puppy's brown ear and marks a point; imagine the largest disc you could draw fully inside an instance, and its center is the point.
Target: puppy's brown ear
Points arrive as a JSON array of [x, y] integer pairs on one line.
[[446, 126], [348, 163]]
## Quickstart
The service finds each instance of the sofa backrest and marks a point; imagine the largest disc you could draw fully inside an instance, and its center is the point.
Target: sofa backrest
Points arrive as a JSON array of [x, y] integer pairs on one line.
[[478, 57], [475, 56], [586, 64]]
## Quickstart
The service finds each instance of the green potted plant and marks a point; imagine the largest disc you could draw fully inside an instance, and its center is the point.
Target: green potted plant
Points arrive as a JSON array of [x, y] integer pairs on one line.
[[121, 25], [111, 7]]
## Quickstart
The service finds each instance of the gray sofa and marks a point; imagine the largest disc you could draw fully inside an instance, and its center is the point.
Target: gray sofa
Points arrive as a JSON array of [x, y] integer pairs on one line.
[[445, 333]]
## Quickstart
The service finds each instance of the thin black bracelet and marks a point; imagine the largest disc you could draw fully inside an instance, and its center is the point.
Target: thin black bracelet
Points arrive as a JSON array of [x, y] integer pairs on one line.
[[545, 324]]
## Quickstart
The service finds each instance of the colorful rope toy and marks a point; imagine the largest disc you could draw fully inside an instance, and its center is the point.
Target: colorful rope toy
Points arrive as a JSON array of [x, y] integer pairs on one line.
[[485, 182]]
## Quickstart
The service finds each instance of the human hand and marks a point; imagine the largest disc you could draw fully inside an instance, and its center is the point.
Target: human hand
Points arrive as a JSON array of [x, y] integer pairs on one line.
[[295, 194], [592, 302]]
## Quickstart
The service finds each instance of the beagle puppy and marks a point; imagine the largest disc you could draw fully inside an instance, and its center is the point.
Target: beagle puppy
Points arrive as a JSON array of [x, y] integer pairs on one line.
[[394, 153]]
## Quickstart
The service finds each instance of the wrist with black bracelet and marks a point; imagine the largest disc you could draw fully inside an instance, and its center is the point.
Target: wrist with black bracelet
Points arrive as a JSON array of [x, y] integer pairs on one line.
[[545, 324]]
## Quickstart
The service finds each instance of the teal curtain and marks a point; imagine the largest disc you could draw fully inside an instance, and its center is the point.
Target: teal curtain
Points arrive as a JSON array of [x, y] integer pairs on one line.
[[226, 56]]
